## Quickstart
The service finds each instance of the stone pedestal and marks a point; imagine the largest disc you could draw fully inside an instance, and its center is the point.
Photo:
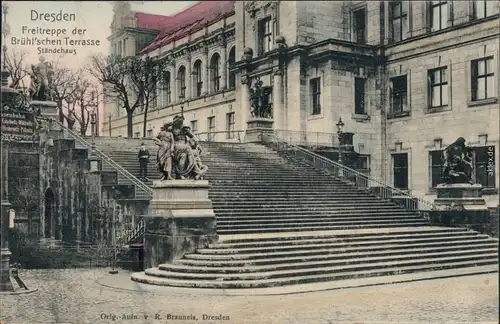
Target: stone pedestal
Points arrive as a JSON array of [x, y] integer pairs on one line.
[[180, 220], [258, 129], [48, 109], [460, 205]]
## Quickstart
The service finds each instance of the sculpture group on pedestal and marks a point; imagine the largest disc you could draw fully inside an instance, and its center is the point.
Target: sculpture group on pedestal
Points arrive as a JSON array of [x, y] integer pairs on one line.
[[178, 155], [41, 77], [458, 164], [260, 100]]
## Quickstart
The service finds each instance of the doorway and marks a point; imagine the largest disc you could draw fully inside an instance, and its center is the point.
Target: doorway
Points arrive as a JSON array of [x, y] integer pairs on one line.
[[400, 170]]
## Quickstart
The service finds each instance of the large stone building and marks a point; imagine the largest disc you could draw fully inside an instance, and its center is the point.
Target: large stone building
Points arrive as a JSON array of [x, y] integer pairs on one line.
[[406, 77]]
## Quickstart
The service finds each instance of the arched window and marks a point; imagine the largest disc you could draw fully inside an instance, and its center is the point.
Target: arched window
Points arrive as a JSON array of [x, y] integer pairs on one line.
[[167, 87], [231, 61], [197, 78], [215, 72], [181, 77]]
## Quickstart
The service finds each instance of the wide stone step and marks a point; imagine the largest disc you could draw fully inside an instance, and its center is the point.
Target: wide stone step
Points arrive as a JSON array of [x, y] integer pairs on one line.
[[336, 243], [314, 227], [335, 252], [230, 221], [303, 204], [290, 241], [277, 181], [296, 206], [328, 260], [311, 221], [479, 256], [264, 199], [361, 278], [284, 214]]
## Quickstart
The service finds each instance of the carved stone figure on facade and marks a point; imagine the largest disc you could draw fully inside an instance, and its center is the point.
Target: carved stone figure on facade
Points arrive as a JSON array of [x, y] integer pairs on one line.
[[165, 142], [202, 169], [458, 165], [260, 104]]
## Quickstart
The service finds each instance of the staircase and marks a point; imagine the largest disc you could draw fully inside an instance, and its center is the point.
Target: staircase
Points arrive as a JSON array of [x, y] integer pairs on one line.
[[281, 222]]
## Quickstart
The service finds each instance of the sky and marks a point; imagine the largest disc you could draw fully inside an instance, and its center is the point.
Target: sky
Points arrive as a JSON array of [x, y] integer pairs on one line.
[[91, 19]]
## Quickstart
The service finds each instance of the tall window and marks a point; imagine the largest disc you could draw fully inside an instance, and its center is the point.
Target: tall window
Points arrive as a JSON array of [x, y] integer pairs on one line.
[[167, 87], [399, 94], [315, 88], [399, 19], [359, 96], [362, 164], [436, 163], [483, 8], [485, 166], [150, 133], [194, 126], [439, 15], [265, 35], [181, 77], [230, 125], [438, 87], [211, 127], [232, 61], [359, 18], [400, 170], [215, 72], [197, 78], [483, 79]]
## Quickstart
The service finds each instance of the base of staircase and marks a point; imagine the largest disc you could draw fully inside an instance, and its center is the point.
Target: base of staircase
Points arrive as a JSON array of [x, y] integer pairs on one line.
[[145, 283]]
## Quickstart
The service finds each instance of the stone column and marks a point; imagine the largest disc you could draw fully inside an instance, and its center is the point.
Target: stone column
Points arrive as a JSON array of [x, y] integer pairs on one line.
[[245, 100], [278, 113], [5, 282], [206, 84], [173, 84], [189, 79], [224, 65]]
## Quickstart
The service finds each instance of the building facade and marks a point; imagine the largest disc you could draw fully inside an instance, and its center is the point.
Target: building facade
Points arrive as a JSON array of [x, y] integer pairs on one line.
[[406, 77]]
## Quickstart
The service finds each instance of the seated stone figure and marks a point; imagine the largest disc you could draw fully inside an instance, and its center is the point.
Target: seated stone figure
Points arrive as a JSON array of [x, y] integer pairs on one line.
[[458, 164]]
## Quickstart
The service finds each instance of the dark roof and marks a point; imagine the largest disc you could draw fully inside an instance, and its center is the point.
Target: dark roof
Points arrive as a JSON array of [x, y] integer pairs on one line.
[[186, 22]]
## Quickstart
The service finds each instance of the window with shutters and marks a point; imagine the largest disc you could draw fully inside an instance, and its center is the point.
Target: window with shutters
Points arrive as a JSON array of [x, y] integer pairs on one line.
[[438, 14], [359, 25], [398, 97], [482, 79], [230, 125], [265, 35], [399, 19], [197, 78], [437, 88], [483, 8], [359, 96]]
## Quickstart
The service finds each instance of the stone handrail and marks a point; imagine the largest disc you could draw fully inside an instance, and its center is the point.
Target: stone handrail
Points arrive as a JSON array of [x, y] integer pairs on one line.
[[356, 178], [108, 160]]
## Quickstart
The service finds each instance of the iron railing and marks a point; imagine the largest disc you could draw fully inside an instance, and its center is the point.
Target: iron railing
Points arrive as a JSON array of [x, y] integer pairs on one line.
[[108, 160], [221, 136], [131, 235], [309, 139], [351, 176]]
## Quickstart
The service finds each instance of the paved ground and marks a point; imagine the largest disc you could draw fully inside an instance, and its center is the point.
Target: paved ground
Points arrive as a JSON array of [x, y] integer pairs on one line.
[[75, 296]]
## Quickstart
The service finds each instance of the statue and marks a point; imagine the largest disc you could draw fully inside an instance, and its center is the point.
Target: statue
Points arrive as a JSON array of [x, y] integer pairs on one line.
[[179, 152], [458, 164], [259, 100], [165, 141], [41, 79]]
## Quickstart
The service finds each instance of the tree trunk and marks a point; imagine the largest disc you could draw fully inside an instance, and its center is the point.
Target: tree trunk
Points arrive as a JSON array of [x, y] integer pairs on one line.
[[61, 113], [130, 119], [145, 119]]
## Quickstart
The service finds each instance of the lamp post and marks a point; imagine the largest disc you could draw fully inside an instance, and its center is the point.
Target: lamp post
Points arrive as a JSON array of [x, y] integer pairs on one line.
[[340, 127], [113, 233]]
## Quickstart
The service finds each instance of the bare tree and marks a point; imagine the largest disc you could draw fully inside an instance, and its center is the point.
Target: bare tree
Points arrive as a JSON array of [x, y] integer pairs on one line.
[[146, 76], [15, 63], [63, 85], [83, 100], [130, 81]]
